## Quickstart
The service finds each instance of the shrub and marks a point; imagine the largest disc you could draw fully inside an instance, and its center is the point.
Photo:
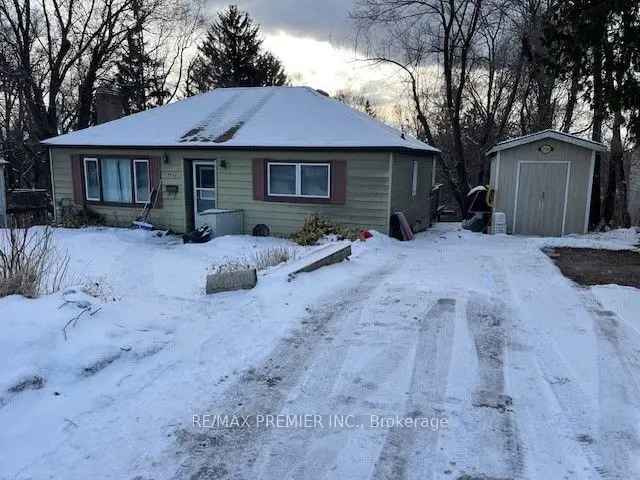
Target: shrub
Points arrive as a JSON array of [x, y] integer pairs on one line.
[[75, 217], [273, 256], [29, 262], [315, 228]]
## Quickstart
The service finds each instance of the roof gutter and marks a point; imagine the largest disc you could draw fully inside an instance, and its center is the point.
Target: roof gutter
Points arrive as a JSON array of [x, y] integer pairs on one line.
[[544, 135], [250, 148]]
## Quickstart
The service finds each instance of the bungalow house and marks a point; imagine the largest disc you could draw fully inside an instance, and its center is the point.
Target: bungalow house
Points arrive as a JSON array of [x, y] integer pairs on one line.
[[277, 154]]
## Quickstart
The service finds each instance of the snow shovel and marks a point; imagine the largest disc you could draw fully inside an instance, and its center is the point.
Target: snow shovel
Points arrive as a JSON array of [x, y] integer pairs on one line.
[[143, 220]]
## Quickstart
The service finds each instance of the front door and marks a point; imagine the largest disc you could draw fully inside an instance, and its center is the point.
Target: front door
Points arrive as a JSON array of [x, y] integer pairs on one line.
[[204, 189], [541, 198]]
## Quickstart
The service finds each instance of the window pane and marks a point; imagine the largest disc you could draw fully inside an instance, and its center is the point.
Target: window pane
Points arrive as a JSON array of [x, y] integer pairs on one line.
[[282, 179], [206, 176], [414, 177], [206, 199], [93, 188], [142, 181], [116, 180], [314, 180]]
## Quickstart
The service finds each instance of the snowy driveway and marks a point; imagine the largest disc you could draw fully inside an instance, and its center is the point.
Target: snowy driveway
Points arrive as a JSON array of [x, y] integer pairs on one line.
[[533, 378], [455, 356]]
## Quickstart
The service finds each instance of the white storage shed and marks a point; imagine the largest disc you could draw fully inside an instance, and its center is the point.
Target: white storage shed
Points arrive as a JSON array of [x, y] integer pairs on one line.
[[543, 182]]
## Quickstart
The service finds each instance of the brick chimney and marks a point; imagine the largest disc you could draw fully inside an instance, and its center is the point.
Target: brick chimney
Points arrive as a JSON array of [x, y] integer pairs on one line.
[[108, 105]]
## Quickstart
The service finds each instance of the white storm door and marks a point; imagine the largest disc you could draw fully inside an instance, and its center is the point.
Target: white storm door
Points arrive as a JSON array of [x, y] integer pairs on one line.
[[204, 189]]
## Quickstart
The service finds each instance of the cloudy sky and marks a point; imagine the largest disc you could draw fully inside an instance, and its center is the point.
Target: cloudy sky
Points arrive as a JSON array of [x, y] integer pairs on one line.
[[314, 40]]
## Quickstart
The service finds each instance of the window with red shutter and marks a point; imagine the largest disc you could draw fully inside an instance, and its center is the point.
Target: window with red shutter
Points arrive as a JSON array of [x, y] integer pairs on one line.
[[300, 181], [114, 180]]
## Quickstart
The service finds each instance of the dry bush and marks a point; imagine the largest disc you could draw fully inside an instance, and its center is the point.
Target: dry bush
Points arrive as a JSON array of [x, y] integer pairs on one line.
[[233, 265], [260, 260], [75, 217], [315, 228], [29, 262], [273, 256]]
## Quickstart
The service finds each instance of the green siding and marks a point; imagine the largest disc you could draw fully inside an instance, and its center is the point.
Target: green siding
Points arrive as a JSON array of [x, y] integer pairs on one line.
[[366, 203], [170, 215], [415, 208], [366, 200]]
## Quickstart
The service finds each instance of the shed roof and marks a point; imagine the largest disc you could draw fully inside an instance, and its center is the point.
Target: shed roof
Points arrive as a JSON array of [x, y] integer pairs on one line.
[[544, 134], [251, 117]]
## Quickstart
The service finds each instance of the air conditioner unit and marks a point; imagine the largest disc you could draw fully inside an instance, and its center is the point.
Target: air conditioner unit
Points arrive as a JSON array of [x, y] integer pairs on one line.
[[223, 222]]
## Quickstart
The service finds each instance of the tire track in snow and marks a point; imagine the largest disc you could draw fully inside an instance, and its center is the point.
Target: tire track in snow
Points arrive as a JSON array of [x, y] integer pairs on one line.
[[572, 423], [490, 327], [232, 453], [619, 392], [337, 385], [431, 365]]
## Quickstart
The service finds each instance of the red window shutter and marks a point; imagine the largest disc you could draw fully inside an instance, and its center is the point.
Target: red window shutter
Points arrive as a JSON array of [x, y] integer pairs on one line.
[[77, 177], [339, 182], [259, 178], [154, 177]]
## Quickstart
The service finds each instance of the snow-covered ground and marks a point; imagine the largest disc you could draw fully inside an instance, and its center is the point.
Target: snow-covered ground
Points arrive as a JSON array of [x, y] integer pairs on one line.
[[507, 369]]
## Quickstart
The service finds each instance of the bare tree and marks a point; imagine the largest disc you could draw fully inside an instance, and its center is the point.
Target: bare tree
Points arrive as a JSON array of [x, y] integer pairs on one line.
[[494, 83], [55, 52], [423, 33], [112, 30], [358, 101], [479, 72], [488, 74], [47, 40]]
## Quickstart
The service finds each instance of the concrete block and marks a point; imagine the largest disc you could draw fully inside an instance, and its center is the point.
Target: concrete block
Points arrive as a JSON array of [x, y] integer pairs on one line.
[[332, 256], [230, 281]]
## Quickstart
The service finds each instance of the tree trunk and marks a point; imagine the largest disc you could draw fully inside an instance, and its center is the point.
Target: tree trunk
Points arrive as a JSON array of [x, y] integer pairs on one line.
[[572, 100], [595, 214], [616, 212], [85, 97]]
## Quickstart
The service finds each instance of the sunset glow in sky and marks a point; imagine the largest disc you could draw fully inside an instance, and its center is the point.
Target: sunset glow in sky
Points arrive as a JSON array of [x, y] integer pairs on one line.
[[314, 40]]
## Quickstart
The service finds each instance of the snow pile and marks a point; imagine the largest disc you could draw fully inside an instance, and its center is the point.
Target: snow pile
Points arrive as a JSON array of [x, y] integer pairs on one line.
[[619, 239], [531, 372], [141, 338], [624, 301]]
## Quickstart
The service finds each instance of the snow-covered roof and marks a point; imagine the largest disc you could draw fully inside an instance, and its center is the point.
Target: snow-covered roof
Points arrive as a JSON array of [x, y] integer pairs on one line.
[[264, 117], [544, 134]]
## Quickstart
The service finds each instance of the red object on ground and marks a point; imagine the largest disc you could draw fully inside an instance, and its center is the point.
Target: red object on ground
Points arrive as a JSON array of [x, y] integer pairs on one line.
[[364, 235]]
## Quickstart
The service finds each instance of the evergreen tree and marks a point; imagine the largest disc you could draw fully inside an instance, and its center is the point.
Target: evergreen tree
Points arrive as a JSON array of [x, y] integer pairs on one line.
[[601, 39], [231, 55], [136, 78]]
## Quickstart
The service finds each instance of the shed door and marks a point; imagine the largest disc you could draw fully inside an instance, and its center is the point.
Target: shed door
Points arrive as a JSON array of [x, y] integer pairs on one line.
[[541, 198]]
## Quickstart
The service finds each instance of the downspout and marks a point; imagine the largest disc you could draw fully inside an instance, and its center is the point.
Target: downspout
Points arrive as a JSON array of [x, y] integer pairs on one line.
[[53, 187]]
